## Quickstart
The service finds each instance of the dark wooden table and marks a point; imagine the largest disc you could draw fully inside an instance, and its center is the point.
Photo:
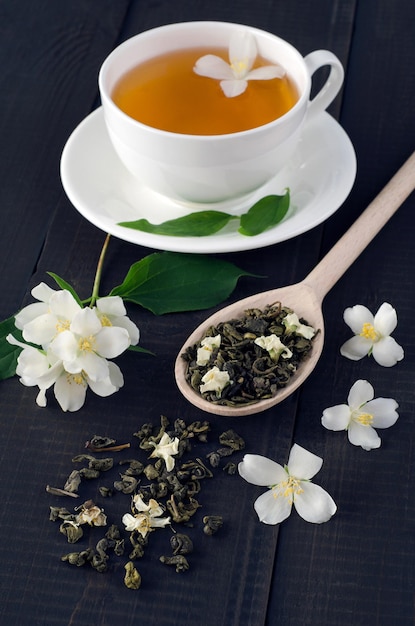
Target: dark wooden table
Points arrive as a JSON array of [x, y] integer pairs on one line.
[[357, 569]]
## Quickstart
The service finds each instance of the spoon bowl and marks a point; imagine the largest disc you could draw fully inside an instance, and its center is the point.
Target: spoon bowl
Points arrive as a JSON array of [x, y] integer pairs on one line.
[[304, 298]]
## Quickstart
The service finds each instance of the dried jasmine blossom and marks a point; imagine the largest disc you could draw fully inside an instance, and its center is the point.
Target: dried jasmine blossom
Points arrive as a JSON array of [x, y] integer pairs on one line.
[[253, 358]]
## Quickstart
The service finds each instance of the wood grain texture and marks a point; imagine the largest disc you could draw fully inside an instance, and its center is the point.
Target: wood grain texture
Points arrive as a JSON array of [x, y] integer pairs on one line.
[[358, 568]]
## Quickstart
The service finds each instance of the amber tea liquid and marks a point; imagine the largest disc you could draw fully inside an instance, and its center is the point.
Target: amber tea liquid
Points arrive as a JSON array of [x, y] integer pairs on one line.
[[165, 93]]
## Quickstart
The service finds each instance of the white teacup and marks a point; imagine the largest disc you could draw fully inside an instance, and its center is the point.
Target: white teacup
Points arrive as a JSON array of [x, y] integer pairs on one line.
[[205, 169]]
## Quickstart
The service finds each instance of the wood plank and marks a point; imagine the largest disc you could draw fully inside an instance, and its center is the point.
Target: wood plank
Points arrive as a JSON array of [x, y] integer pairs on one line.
[[51, 54], [338, 573]]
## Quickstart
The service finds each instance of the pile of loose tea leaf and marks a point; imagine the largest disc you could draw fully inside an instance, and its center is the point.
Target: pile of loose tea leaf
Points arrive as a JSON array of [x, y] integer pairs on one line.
[[163, 488], [242, 361]]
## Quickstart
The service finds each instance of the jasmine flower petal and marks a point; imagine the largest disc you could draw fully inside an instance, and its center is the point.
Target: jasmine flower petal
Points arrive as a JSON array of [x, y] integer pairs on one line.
[[29, 313], [336, 417], [110, 385], [86, 323], [386, 319], [360, 393], [233, 88], [356, 348], [266, 72], [364, 436], [302, 463], [314, 504], [271, 509], [261, 471], [383, 411], [356, 316], [70, 391], [112, 341], [387, 352], [212, 66], [242, 51]]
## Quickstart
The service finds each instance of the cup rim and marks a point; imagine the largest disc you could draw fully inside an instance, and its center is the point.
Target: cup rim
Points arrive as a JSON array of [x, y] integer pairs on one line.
[[109, 102]]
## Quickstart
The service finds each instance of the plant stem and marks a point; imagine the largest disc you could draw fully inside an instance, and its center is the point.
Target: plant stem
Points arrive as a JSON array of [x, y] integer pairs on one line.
[[98, 273]]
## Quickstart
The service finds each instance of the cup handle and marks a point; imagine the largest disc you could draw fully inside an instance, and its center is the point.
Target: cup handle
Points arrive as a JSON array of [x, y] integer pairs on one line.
[[332, 86]]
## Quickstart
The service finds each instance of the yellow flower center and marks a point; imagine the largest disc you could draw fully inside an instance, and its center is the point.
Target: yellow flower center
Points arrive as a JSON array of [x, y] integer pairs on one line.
[[62, 325], [77, 379], [86, 344], [239, 67], [364, 418], [105, 321], [369, 332], [288, 488]]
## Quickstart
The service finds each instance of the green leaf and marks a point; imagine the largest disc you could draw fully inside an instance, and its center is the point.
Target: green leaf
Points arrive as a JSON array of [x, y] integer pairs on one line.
[[8, 353], [167, 282], [141, 350], [265, 213], [198, 224], [64, 285]]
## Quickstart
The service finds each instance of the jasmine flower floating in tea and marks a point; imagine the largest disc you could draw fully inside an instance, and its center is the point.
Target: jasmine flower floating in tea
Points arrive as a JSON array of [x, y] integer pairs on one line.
[[243, 361], [234, 76]]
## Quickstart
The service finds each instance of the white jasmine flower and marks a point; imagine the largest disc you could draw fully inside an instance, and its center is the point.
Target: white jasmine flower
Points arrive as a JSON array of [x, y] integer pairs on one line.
[[91, 514], [36, 367], [214, 380], [372, 335], [274, 346], [147, 517], [361, 413], [111, 312], [293, 325], [165, 449], [234, 76], [41, 329], [86, 345], [207, 345], [288, 486]]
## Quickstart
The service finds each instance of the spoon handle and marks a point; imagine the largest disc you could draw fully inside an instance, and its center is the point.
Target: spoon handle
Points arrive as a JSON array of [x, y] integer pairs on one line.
[[332, 266]]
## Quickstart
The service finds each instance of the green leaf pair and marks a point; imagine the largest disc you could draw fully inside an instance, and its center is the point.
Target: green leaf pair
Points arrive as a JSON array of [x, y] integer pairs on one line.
[[264, 214]]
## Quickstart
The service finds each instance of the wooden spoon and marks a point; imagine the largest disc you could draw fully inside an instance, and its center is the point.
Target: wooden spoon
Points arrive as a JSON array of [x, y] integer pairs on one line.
[[306, 297]]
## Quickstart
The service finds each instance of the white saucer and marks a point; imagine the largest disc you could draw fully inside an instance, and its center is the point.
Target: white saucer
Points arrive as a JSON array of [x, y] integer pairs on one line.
[[320, 176]]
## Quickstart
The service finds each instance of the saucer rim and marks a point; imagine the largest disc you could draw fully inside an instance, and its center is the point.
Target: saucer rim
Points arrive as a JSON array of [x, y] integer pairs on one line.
[[221, 242]]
